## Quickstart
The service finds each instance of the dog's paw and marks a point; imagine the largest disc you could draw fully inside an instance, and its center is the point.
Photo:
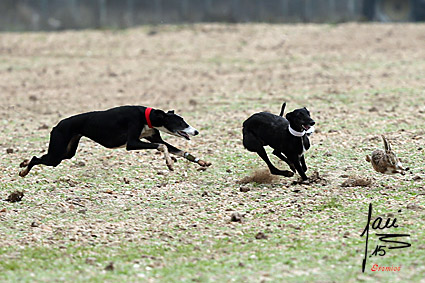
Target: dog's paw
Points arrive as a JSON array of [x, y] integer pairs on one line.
[[287, 173], [24, 163], [24, 172], [204, 163], [170, 166], [162, 148]]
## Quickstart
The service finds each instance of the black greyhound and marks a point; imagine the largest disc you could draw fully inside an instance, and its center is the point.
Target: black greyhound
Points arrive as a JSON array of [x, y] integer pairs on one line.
[[122, 126], [288, 137]]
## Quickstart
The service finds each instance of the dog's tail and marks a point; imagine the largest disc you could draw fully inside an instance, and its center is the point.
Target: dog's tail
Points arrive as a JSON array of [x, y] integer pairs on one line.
[[283, 109]]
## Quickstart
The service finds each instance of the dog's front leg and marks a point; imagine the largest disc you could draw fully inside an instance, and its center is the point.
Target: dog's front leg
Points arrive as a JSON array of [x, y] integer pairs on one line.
[[303, 165], [178, 152], [187, 155], [136, 145], [298, 167]]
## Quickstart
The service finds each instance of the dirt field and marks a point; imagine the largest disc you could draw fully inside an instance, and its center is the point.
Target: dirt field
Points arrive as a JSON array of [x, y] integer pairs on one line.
[[111, 206]]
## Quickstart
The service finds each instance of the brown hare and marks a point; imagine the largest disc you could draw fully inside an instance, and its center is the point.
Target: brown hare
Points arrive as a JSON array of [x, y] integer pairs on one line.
[[385, 161]]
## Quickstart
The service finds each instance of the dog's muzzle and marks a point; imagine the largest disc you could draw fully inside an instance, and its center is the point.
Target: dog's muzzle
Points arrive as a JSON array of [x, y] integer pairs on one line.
[[309, 125], [189, 131]]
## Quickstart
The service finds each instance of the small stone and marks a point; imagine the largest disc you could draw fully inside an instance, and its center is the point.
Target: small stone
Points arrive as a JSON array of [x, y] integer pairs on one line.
[[9, 150], [236, 217], [3, 210], [82, 211], [204, 194], [414, 207], [244, 189], [417, 178], [261, 236], [110, 266], [91, 260], [81, 164], [15, 196], [346, 234], [43, 127], [35, 224]]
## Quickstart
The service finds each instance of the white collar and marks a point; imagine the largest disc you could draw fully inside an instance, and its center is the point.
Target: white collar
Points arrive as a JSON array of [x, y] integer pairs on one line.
[[296, 133]]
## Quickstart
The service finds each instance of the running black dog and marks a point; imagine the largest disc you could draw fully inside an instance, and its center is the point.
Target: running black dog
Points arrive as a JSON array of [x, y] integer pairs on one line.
[[288, 137], [122, 126]]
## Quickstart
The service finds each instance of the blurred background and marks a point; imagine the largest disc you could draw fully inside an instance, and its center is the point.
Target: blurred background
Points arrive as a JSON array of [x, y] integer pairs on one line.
[[33, 15]]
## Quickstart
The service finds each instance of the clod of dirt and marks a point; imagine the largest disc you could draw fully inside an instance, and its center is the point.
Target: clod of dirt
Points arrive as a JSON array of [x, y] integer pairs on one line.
[[244, 189], [43, 127], [9, 150], [236, 217], [315, 178], [354, 181], [110, 266], [261, 236], [417, 178], [3, 210], [35, 224], [33, 98], [415, 207], [90, 260], [259, 176], [81, 164], [15, 196]]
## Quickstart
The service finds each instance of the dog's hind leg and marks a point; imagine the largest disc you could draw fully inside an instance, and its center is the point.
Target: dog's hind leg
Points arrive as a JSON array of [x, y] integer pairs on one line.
[[283, 158], [57, 150], [71, 149], [262, 153], [252, 143]]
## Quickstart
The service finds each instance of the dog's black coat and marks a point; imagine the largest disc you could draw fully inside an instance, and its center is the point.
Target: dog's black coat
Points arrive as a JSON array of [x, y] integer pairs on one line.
[[266, 129], [117, 127]]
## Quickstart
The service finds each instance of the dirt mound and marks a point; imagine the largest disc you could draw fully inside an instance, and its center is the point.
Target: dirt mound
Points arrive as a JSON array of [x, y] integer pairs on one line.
[[355, 181], [262, 176]]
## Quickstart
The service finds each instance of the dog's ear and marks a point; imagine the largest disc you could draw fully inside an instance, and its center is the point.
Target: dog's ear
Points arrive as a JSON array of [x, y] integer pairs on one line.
[[170, 112], [157, 117], [289, 116]]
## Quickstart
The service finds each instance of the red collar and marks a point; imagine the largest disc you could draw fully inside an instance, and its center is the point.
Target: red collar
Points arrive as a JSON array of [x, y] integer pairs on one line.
[[147, 116]]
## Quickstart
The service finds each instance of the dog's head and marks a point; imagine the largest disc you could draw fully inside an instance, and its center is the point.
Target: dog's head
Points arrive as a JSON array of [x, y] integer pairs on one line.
[[172, 124], [300, 119]]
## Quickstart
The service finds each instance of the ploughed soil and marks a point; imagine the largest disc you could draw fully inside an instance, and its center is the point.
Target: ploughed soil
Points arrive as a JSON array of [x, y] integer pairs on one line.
[[359, 81]]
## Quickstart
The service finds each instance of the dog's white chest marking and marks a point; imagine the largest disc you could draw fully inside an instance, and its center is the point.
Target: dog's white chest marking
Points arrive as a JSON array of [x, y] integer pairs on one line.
[[146, 132]]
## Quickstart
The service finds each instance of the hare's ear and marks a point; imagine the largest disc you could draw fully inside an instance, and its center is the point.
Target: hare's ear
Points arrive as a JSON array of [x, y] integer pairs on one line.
[[386, 144]]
